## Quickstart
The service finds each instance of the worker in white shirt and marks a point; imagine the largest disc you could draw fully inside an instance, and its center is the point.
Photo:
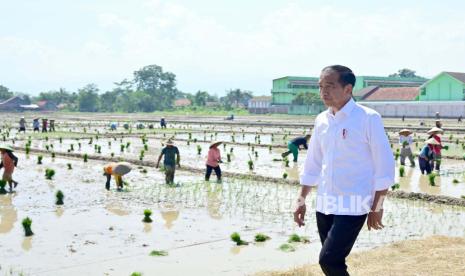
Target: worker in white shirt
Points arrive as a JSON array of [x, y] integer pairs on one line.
[[405, 142], [350, 160]]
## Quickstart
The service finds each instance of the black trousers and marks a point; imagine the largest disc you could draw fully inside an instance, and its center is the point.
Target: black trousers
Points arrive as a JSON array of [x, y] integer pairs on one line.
[[337, 234], [217, 170]]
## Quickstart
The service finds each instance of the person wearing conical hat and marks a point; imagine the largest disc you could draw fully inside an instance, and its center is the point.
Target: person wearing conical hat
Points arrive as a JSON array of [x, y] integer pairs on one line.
[[117, 170], [405, 142], [426, 155], [44, 124], [172, 158], [436, 161], [213, 161], [36, 125], [8, 163]]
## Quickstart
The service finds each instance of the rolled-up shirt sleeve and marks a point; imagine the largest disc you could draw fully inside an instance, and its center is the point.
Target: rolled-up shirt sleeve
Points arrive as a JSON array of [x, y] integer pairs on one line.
[[383, 159], [312, 166]]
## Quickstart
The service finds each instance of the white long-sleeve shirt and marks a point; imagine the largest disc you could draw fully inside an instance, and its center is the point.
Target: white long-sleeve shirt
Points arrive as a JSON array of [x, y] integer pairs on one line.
[[349, 158], [407, 139]]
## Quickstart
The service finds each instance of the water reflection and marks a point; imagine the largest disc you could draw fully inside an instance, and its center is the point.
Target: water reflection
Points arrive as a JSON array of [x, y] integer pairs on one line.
[[169, 213], [8, 213]]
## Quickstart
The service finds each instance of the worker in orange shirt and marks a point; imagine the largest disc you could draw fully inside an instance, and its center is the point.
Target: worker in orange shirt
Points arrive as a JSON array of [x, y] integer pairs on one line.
[[117, 170]]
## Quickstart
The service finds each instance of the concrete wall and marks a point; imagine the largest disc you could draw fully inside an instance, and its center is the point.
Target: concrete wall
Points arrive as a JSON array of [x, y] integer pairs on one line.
[[418, 109]]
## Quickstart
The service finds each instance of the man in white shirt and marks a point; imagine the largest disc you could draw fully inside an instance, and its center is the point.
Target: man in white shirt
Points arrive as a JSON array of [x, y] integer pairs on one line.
[[350, 160]]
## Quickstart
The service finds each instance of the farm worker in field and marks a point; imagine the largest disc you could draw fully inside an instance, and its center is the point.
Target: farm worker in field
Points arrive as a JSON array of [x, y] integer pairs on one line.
[[438, 124], [426, 155], [172, 158], [44, 124], [117, 170], [350, 160], [113, 126], [213, 161], [52, 125], [162, 122], [295, 145], [405, 142], [8, 163], [36, 125], [22, 125], [436, 161]]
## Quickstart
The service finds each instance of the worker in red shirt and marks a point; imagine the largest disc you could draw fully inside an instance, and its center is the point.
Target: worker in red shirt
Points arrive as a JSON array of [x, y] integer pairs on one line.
[[8, 163]]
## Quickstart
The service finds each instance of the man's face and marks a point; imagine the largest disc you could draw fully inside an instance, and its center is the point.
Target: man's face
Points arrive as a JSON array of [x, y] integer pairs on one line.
[[332, 93]]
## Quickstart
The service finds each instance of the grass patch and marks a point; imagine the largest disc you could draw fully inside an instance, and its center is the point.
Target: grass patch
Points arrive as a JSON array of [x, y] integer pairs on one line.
[[261, 237], [287, 247]]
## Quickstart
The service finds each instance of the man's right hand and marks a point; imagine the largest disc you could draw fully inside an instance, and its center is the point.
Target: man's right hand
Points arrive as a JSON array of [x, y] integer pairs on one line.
[[299, 214]]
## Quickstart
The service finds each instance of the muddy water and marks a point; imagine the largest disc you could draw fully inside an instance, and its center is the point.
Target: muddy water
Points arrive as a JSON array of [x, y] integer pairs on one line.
[[263, 164], [98, 232]]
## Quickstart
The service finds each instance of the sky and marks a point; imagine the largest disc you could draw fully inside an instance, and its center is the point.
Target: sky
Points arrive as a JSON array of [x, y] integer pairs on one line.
[[216, 45]]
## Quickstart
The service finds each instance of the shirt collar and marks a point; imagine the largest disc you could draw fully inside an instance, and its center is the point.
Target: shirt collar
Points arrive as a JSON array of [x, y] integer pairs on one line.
[[346, 110]]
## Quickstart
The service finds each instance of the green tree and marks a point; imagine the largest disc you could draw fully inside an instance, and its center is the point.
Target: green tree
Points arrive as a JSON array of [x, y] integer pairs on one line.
[[5, 93], [405, 73], [159, 85], [236, 98], [306, 98], [88, 98], [201, 98]]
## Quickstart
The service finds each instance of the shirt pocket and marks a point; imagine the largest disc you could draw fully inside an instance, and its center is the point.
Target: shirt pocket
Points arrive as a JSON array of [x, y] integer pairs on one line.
[[350, 137]]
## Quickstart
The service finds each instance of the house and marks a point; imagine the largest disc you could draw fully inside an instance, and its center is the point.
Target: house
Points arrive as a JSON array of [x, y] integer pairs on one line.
[[447, 86], [182, 102], [376, 93], [13, 104], [260, 105], [47, 106]]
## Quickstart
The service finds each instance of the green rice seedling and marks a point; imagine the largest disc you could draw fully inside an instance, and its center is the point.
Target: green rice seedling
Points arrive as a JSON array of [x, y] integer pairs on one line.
[[294, 238], [250, 163], [47, 147], [46, 138], [86, 157], [270, 148], [99, 149], [261, 237], [431, 178], [146, 147], [71, 147], [188, 142], [231, 150], [253, 148], [287, 247], [395, 186], [79, 145], [195, 140], [121, 148], [112, 154], [451, 137], [109, 143], [446, 147], [228, 157], [91, 141], [144, 171], [455, 181], [27, 223], [190, 135], [53, 154], [256, 154], [2, 187], [70, 167], [49, 173], [147, 214], [396, 156], [95, 147], [457, 141], [59, 195], [61, 140], [286, 162], [39, 159], [128, 144], [158, 253], [401, 171], [28, 149], [199, 149], [235, 237], [285, 175]]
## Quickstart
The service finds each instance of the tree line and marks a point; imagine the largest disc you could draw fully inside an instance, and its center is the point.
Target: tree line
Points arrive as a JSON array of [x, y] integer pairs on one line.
[[150, 89]]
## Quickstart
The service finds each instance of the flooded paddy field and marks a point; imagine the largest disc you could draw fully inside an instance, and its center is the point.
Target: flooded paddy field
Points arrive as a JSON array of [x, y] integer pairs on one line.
[[102, 231]]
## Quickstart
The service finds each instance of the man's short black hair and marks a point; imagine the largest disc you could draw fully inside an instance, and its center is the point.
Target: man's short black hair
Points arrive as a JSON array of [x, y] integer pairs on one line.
[[346, 76]]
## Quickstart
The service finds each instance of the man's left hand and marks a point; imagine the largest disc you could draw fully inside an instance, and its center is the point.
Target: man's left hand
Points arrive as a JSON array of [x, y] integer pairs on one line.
[[375, 220]]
